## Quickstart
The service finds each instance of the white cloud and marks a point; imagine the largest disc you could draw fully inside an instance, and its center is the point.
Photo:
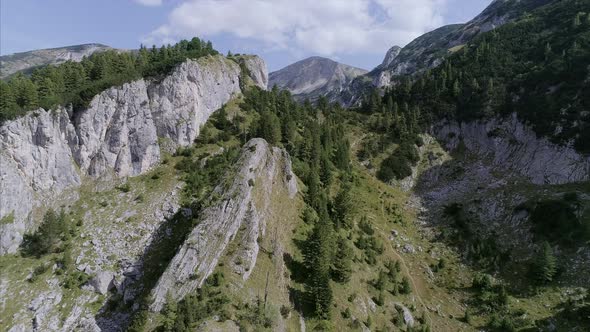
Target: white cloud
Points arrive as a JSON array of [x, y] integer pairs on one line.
[[324, 27], [150, 3]]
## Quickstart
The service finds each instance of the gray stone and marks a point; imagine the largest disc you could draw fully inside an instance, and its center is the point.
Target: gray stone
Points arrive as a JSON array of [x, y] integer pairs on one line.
[[513, 146], [45, 153], [102, 282], [198, 256]]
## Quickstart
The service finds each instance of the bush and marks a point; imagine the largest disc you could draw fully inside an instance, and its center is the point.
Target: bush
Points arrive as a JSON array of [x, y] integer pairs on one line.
[[394, 167], [285, 311], [556, 220], [49, 237], [124, 187]]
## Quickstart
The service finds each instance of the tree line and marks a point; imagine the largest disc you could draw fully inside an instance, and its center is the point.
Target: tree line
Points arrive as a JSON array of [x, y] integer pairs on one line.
[[76, 83], [536, 67]]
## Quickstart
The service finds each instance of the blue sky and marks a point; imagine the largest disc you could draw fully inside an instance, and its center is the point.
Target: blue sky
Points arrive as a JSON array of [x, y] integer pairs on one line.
[[356, 32]]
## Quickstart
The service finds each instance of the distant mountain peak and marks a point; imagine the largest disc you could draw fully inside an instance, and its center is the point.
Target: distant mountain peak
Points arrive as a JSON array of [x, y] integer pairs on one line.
[[29, 60], [390, 56], [314, 76]]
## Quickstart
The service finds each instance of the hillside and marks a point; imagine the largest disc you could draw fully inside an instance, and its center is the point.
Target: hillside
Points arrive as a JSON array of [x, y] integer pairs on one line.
[[314, 77], [428, 50], [26, 62], [173, 189]]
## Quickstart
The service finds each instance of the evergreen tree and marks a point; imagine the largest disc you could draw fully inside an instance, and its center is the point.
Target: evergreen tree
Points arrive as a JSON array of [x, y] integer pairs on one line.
[[406, 288], [170, 314], [8, 104], [47, 93], [545, 266], [326, 171], [342, 205], [319, 253], [269, 127], [26, 95], [313, 195], [49, 236], [342, 267]]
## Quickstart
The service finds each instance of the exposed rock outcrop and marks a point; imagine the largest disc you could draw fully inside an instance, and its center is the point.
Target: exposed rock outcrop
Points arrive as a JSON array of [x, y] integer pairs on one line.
[[46, 152], [391, 54], [243, 205], [512, 145]]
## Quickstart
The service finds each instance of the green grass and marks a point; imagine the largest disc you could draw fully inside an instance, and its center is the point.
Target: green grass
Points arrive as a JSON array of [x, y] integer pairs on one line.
[[7, 219]]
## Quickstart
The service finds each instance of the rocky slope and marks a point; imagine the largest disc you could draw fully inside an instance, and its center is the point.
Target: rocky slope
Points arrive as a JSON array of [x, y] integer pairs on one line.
[[244, 206], [314, 77], [428, 50], [120, 134], [511, 145], [27, 61]]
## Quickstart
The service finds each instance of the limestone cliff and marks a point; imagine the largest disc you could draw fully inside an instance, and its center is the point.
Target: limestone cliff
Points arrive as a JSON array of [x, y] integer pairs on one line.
[[512, 145], [121, 133], [261, 170]]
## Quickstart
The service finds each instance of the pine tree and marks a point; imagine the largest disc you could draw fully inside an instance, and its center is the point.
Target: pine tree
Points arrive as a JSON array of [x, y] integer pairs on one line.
[[342, 267], [170, 314], [342, 155], [405, 288], [545, 266], [269, 127], [26, 95], [313, 195], [7, 101], [319, 254], [326, 169], [49, 235], [342, 206], [47, 93]]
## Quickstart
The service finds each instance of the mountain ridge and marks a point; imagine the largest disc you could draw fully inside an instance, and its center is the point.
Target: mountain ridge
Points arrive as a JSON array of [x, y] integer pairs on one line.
[[27, 61], [314, 76]]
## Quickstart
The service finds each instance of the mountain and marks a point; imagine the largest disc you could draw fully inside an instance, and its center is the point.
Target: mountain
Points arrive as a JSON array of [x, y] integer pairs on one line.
[[428, 50], [186, 196], [314, 77], [27, 61]]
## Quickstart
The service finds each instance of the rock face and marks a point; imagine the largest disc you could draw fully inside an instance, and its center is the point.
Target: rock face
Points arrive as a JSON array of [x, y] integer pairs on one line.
[[428, 50], [390, 56], [244, 205], [512, 145], [314, 77], [45, 152], [26, 61]]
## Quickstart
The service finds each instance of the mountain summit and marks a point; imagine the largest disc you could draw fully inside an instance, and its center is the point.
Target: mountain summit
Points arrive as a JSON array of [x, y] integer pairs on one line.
[[27, 61], [314, 77]]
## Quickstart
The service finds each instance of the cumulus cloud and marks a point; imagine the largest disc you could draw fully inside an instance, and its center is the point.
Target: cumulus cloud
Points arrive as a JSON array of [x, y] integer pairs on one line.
[[150, 3], [325, 27]]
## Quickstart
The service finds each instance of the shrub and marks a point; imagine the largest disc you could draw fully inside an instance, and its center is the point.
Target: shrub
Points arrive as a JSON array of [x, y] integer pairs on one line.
[[50, 235], [394, 167], [285, 311], [124, 187], [556, 220]]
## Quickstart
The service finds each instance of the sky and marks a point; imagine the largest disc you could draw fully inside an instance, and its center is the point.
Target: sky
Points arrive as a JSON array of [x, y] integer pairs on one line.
[[355, 32]]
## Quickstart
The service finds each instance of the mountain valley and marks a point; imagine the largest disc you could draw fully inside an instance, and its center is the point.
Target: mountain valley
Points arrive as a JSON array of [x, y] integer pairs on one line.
[[177, 189]]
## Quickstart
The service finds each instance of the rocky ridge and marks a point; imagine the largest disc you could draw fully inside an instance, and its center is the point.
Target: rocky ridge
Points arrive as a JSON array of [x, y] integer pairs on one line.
[[428, 50], [243, 206], [46, 152]]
